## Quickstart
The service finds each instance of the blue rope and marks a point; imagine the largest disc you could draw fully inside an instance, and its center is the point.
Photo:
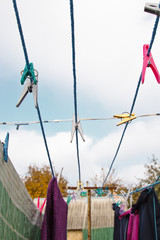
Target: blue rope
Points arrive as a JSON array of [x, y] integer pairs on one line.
[[27, 63], [155, 222], [136, 93], [45, 141], [143, 188], [153, 34], [134, 100], [21, 33], [73, 57], [115, 154], [74, 78]]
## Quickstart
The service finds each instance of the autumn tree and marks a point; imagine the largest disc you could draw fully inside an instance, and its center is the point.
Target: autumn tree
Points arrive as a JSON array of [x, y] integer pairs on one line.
[[37, 179], [152, 172], [99, 178]]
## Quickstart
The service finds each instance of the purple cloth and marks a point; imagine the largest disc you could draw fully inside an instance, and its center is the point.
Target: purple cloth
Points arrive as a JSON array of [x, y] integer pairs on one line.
[[54, 226], [133, 225]]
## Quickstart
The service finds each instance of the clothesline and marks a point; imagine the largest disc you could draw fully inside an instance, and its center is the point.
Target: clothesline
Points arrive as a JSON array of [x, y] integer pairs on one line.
[[18, 124]]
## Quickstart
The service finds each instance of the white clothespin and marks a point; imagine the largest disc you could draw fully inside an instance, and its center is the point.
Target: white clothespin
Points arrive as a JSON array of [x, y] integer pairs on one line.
[[76, 125], [29, 87]]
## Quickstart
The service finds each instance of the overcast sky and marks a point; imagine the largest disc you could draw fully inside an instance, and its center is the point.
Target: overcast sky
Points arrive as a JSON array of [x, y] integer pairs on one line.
[[109, 56]]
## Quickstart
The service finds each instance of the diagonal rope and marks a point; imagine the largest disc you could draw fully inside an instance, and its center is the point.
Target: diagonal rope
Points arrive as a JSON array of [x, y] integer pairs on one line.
[[134, 100], [27, 63], [75, 81], [21, 32]]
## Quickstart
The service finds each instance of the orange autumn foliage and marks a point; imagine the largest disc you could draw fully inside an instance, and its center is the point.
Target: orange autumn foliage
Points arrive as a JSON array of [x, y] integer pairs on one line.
[[37, 179]]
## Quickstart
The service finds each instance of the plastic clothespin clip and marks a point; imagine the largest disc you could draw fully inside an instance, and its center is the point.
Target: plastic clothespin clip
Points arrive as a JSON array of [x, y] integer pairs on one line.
[[118, 203], [28, 72], [38, 203], [127, 196], [41, 208], [117, 200], [125, 117], [100, 192], [5, 148], [20, 124], [80, 186], [149, 62], [152, 8], [115, 197], [73, 196], [69, 199], [122, 208], [83, 194], [76, 125], [30, 86]]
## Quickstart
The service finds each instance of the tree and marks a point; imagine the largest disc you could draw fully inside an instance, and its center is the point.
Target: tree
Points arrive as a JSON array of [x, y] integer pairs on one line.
[[37, 179], [98, 180], [152, 172]]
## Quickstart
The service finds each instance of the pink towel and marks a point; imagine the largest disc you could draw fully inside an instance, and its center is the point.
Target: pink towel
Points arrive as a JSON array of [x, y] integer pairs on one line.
[[133, 225]]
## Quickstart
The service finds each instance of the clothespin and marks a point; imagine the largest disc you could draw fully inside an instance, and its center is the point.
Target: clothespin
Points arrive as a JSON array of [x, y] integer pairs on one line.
[[125, 117], [38, 203], [152, 8], [126, 196], [100, 192], [149, 62], [28, 72], [80, 190], [41, 208], [69, 199], [76, 125], [80, 186], [73, 196], [29, 87], [116, 199], [83, 194], [122, 208], [5, 148], [20, 124]]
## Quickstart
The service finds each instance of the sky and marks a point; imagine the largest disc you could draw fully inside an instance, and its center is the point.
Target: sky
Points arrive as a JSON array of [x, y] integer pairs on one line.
[[109, 39]]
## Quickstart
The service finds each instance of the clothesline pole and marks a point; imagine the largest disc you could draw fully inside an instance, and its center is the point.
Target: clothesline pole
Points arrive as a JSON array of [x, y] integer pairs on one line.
[[89, 214]]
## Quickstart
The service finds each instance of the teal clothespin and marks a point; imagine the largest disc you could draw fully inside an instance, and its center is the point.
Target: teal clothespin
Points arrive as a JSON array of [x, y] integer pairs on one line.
[[69, 199], [5, 148], [118, 203], [28, 73], [100, 192], [83, 194]]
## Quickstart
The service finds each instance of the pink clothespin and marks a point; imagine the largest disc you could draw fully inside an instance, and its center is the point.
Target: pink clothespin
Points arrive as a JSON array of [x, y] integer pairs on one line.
[[73, 196], [149, 62], [41, 208], [38, 203]]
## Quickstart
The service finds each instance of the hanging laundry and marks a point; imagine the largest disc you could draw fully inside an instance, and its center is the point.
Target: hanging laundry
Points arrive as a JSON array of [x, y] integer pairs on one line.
[[120, 225], [54, 226], [149, 215], [133, 224], [141, 222]]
